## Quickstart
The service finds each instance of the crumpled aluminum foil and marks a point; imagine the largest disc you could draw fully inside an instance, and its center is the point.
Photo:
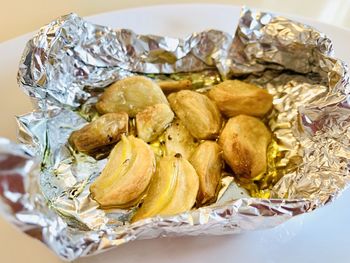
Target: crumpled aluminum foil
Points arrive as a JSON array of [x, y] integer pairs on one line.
[[44, 187]]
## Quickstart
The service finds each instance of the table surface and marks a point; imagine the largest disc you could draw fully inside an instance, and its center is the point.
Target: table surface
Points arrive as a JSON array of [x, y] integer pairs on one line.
[[30, 15], [18, 17]]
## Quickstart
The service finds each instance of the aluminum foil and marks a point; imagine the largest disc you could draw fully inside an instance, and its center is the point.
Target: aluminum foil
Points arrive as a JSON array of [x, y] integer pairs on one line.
[[44, 186]]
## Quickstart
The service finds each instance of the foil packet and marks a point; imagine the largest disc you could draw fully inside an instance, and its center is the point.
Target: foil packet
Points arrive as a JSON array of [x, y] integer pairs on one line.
[[44, 187]]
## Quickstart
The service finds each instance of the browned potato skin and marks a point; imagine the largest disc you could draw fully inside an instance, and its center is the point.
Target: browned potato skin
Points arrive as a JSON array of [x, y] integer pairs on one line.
[[244, 141], [131, 95], [152, 121], [105, 130], [178, 140], [169, 86], [197, 112], [207, 161], [234, 97]]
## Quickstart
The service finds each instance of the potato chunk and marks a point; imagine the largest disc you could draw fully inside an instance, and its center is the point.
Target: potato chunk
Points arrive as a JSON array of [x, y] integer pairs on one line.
[[132, 95], [177, 139], [244, 141], [104, 131], [169, 86], [234, 97], [173, 189], [197, 112], [152, 121], [207, 161], [126, 175]]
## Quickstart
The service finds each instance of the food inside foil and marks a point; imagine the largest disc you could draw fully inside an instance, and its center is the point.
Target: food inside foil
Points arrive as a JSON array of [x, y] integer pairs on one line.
[[176, 139], [235, 97], [152, 121], [101, 133], [244, 141], [173, 189], [208, 163], [130, 95], [126, 175], [131, 164], [197, 112], [140, 136]]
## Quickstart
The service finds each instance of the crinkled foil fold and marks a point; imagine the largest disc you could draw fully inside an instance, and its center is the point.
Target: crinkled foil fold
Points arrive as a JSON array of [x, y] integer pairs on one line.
[[44, 187]]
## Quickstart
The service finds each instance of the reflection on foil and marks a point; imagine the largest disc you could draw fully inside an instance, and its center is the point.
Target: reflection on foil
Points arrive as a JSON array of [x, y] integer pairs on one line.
[[44, 185]]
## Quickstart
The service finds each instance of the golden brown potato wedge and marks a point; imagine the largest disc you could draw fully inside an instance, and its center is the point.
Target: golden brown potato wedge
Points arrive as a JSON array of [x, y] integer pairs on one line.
[[169, 86], [197, 112], [104, 131], [207, 161], [173, 189], [177, 139], [152, 121], [244, 141], [126, 175], [234, 97], [132, 95]]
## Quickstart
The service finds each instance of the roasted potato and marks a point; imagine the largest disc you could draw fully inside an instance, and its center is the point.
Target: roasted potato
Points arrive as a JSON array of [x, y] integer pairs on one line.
[[100, 133], [244, 141], [126, 175], [197, 112], [173, 189], [132, 95], [152, 121], [208, 163], [234, 97], [177, 139]]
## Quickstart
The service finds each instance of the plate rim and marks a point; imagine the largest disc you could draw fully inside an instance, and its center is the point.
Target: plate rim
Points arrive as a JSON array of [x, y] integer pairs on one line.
[[132, 9]]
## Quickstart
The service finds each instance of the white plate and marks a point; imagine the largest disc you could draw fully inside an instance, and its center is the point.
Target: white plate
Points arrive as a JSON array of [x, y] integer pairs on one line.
[[321, 236]]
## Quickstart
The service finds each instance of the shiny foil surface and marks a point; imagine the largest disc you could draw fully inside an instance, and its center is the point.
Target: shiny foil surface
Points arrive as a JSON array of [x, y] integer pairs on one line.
[[44, 185]]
